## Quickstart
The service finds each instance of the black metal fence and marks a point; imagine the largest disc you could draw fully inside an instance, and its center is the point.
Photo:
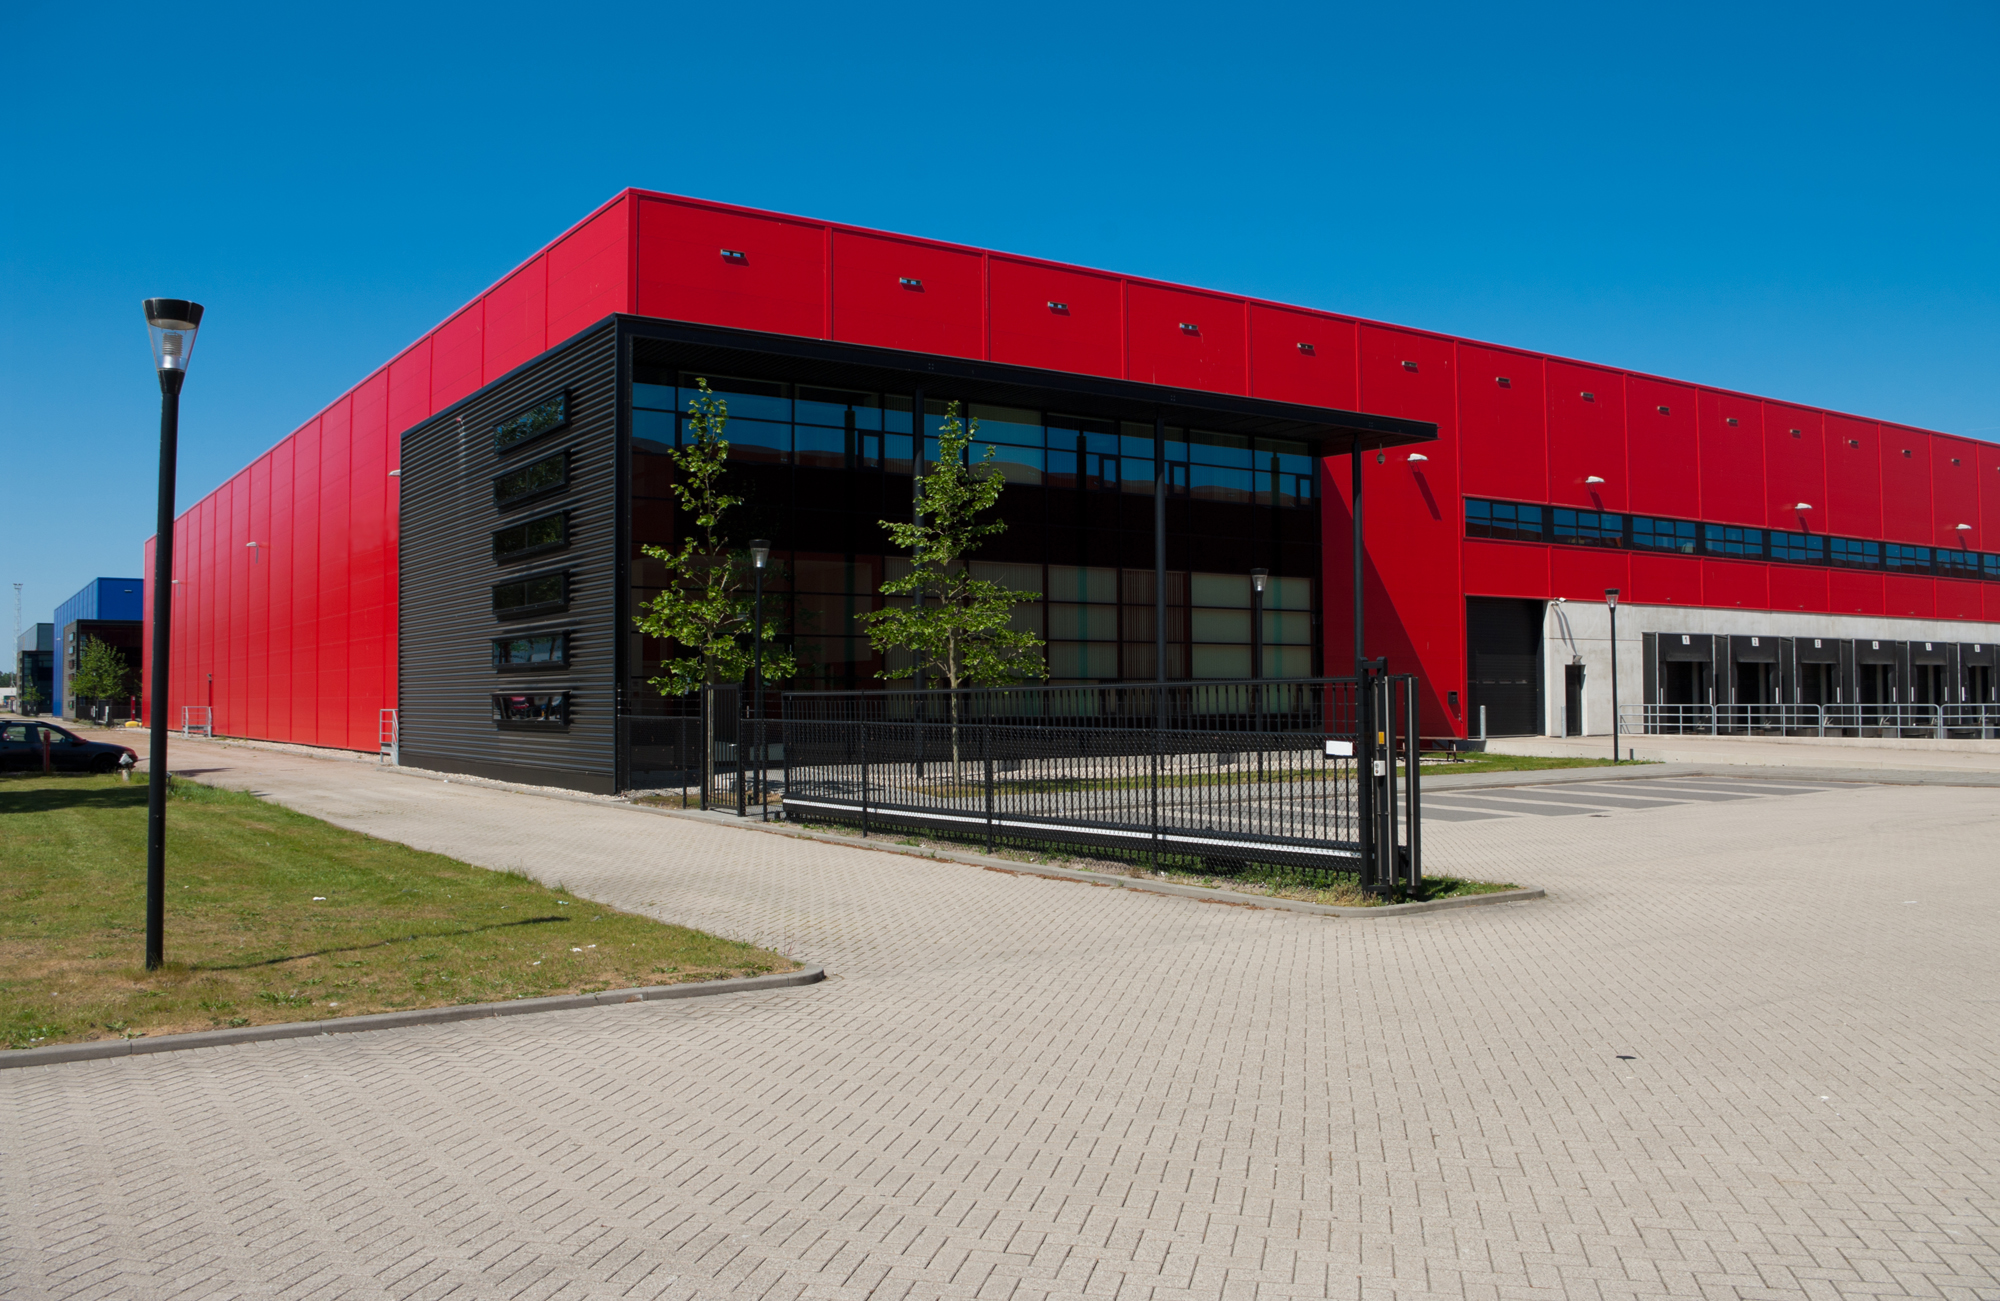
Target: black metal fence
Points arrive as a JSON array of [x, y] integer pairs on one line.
[[1317, 774]]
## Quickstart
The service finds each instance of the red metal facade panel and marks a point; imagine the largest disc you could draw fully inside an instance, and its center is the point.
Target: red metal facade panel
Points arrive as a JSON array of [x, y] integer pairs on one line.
[[1853, 478], [1665, 580], [1906, 486], [335, 514], [1186, 338], [1955, 493], [1414, 516], [1849, 592], [902, 293], [1906, 595], [734, 269], [1731, 453], [278, 691], [517, 319], [410, 386], [1731, 583], [1505, 443], [458, 350], [1582, 573], [1306, 357], [589, 273], [1587, 437], [1795, 469], [1506, 569], [1055, 318], [306, 509], [1797, 587], [1958, 600], [1659, 442]]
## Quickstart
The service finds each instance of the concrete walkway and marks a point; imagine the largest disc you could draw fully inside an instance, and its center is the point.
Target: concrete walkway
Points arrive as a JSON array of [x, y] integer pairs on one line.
[[1748, 1048], [1972, 758]]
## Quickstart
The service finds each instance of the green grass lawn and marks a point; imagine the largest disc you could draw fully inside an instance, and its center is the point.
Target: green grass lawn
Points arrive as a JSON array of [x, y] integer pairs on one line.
[[274, 916]]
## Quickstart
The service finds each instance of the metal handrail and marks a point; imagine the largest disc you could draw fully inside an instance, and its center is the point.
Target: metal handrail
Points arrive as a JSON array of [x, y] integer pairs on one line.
[[197, 720], [1898, 719]]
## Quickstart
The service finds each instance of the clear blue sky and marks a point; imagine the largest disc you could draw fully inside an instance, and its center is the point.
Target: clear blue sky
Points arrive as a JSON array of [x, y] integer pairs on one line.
[[1796, 200]]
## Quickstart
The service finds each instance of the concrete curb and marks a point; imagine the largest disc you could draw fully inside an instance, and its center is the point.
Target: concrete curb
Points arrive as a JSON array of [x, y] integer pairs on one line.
[[1206, 894], [393, 1020]]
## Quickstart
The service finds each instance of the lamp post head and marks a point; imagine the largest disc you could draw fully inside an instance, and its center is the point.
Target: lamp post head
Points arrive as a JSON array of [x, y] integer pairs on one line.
[[1611, 597], [760, 551], [1258, 577], [172, 322]]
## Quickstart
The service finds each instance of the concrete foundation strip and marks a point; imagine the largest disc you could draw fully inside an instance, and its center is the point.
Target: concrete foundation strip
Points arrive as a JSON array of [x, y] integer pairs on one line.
[[167, 1043]]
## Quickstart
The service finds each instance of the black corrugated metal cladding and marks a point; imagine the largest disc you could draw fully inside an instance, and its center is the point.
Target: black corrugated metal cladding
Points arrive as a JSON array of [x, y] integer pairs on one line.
[[448, 573]]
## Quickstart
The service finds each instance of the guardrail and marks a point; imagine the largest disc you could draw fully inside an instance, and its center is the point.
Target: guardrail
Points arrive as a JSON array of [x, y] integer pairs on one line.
[[1897, 720], [197, 720]]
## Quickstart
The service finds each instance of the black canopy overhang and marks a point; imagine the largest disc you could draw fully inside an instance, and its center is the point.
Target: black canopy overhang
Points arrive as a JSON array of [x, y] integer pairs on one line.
[[749, 354]]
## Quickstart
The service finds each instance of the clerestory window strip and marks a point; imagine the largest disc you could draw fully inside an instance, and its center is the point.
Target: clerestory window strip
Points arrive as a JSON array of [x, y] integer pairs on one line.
[[1511, 521]]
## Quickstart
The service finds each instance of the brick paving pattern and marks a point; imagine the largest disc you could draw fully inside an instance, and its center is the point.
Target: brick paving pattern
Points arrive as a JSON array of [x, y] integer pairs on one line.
[[1747, 1048]]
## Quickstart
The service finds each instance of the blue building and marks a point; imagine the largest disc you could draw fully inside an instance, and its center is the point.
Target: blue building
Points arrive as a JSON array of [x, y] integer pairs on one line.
[[107, 609]]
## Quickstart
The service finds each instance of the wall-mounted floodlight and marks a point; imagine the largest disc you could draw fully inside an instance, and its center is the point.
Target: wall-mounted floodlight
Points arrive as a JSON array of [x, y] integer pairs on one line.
[[396, 473], [1804, 505], [1418, 456], [1962, 528], [1593, 478], [1189, 327], [1306, 348], [909, 282]]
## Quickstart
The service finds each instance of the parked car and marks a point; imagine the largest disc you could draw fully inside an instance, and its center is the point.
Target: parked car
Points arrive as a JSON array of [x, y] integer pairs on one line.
[[21, 750]]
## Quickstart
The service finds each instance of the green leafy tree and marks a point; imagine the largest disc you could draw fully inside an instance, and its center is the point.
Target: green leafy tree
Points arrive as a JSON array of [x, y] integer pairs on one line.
[[706, 610], [101, 672], [956, 625]]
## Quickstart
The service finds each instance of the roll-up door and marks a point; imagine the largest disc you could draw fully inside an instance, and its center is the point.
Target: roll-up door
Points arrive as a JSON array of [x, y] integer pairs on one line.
[[1504, 664]]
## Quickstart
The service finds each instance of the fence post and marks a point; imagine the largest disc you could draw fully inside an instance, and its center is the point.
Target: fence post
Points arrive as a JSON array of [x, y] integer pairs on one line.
[[787, 778], [1153, 739], [742, 734], [864, 776], [1414, 799], [986, 752], [1392, 856]]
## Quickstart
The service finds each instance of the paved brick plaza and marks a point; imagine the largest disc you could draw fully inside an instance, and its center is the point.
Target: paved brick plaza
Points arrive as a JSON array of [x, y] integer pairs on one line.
[[1022, 1088]]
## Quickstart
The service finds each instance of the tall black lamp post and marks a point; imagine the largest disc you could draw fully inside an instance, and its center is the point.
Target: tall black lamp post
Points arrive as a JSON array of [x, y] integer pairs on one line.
[[1611, 604], [172, 322], [760, 553]]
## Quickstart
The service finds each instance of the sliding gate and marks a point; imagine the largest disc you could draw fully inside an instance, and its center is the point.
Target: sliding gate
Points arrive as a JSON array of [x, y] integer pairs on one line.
[[1313, 774]]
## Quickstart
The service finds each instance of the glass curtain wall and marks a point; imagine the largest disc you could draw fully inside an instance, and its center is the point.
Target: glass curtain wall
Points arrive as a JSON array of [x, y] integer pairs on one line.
[[819, 468]]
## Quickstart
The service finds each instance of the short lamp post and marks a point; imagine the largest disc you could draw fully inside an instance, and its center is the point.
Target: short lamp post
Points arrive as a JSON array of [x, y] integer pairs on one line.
[[1258, 577], [760, 555], [1611, 604], [172, 322]]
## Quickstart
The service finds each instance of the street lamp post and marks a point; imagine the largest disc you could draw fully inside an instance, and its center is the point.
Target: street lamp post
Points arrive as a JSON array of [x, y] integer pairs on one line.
[[760, 552], [172, 323], [1611, 603]]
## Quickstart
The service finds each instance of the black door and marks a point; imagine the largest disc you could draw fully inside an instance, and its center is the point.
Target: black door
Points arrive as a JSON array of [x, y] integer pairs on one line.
[[1503, 663], [1572, 700]]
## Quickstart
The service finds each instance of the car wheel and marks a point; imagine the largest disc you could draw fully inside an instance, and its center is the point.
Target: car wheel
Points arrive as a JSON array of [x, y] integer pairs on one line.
[[103, 763]]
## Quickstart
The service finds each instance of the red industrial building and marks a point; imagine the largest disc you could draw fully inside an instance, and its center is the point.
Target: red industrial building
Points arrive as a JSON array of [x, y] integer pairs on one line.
[[1751, 539]]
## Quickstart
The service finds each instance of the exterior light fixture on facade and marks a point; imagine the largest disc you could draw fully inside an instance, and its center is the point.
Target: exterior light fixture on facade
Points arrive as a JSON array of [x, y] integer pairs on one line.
[[1593, 478], [1418, 456], [172, 323], [1804, 505], [1962, 528], [396, 473], [256, 552]]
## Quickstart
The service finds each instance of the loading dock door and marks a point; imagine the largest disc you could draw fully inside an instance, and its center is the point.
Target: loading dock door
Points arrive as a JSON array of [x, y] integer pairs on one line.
[[1504, 664]]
